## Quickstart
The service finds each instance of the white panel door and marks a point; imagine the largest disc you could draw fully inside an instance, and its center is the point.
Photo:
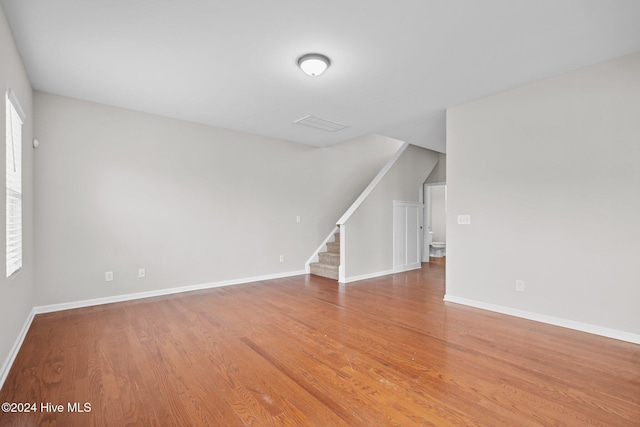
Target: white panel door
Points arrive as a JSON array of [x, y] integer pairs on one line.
[[399, 236], [407, 218], [413, 235]]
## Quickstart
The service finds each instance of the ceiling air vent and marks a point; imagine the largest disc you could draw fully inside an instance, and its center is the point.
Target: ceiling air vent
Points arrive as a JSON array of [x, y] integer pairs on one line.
[[318, 123]]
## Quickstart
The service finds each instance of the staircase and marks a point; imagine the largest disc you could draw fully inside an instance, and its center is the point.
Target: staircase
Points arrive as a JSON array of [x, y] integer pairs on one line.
[[329, 261]]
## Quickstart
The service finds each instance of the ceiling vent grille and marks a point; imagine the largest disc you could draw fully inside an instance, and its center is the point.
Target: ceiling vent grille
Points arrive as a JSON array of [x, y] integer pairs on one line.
[[322, 124]]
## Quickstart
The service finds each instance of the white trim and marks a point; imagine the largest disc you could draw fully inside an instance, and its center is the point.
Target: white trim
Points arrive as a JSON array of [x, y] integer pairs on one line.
[[551, 320], [408, 267], [407, 204], [372, 185], [342, 271], [160, 292], [367, 276], [423, 224], [16, 104], [11, 357], [314, 257]]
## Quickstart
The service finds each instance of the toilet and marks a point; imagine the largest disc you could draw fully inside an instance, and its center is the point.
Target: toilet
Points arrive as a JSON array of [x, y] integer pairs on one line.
[[436, 249]]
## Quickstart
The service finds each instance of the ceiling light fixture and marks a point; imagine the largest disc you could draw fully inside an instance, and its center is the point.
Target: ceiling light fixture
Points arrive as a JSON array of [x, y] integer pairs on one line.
[[313, 64]]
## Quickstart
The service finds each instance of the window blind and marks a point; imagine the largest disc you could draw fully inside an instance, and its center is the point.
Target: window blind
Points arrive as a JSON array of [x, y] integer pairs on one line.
[[15, 118]]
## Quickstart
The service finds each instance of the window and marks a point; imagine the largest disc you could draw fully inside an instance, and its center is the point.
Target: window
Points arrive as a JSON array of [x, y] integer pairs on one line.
[[15, 117]]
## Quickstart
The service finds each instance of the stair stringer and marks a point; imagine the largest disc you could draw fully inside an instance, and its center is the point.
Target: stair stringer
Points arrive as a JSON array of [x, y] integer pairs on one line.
[[323, 247]]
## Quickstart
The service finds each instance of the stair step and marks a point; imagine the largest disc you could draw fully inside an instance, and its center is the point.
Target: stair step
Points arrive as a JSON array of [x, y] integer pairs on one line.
[[336, 237], [333, 247], [324, 270], [329, 258]]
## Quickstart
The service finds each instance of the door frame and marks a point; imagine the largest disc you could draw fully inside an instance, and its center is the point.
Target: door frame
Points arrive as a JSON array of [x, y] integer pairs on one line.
[[425, 216]]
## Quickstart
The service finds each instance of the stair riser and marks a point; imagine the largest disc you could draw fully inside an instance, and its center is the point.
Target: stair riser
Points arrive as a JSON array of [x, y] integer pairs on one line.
[[333, 247], [329, 258], [330, 272]]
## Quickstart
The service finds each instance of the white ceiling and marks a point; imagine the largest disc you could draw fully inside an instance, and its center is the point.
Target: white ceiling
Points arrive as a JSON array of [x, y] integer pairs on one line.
[[396, 65]]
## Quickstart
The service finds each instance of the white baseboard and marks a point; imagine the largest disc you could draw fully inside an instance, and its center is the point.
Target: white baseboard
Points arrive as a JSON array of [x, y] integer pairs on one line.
[[6, 366], [409, 267], [367, 276], [160, 292], [543, 318]]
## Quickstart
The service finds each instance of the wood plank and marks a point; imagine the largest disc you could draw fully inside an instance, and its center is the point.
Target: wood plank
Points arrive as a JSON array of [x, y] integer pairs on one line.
[[305, 351]]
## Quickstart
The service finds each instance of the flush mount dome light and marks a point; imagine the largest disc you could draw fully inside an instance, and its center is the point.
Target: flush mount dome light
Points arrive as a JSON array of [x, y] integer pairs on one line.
[[313, 64]]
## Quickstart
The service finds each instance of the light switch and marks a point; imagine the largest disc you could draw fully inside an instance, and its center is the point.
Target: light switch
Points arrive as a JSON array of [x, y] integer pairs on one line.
[[464, 219]]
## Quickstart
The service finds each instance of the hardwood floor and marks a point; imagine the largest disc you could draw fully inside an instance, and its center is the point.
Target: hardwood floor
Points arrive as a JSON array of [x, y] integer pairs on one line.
[[303, 351]]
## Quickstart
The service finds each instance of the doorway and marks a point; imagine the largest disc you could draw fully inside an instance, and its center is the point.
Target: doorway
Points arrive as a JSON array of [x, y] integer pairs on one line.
[[435, 214]]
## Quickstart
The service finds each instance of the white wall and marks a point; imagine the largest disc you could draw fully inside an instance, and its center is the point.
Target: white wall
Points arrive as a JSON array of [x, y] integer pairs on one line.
[[550, 174], [119, 190], [439, 173], [16, 293], [369, 231]]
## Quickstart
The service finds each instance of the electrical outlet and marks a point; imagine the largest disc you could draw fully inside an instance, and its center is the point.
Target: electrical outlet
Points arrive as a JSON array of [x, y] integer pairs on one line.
[[520, 285], [281, 258], [142, 273], [108, 276], [298, 219]]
